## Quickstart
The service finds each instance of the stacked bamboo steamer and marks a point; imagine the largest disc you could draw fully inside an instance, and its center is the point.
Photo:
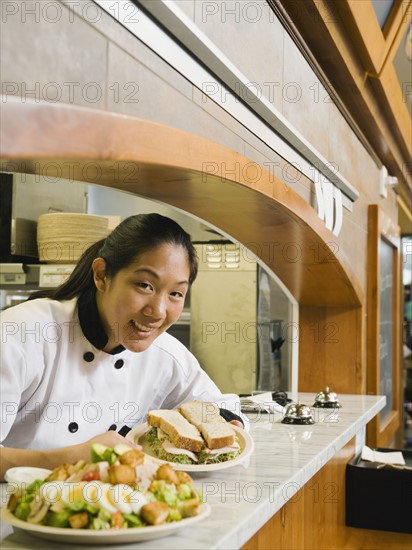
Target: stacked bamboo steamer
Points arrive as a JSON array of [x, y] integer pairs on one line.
[[62, 237]]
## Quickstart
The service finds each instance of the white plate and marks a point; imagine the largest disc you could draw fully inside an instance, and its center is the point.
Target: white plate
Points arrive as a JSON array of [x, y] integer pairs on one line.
[[138, 436], [115, 536]]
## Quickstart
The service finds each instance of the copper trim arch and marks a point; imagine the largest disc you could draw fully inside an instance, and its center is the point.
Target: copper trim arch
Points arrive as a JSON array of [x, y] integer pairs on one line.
[[192, 173]]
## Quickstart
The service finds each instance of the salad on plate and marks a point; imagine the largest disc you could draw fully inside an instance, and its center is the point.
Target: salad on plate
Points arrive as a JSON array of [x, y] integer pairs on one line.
[[118, 489]]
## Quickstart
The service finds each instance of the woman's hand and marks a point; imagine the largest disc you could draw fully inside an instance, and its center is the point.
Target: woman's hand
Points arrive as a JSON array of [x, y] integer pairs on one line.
[[110, 439], [236, 423], [52, 458]]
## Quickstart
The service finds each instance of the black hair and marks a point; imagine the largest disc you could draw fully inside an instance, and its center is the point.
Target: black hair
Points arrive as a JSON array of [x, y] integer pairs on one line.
[[132, 237]]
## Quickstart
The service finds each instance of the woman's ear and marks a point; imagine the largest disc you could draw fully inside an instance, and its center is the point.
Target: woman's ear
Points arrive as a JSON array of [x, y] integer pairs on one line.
[[99, 274]]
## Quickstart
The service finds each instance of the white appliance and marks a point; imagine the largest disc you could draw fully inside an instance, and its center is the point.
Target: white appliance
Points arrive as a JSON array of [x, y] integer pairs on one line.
[[223, 316]]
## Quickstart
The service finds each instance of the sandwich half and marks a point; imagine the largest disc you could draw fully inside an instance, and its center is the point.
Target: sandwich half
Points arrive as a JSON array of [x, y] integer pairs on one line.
[[194, 434]]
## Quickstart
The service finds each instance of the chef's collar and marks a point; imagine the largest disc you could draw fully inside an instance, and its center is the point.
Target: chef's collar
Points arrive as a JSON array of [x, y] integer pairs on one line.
[[91, 323]]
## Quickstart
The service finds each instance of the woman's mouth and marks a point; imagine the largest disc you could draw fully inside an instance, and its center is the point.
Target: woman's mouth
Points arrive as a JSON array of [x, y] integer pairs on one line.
[[141, 329]]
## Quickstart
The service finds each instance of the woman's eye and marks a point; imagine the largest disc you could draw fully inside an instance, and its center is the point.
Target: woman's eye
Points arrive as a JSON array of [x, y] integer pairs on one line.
[[178, 294], [144, 286]]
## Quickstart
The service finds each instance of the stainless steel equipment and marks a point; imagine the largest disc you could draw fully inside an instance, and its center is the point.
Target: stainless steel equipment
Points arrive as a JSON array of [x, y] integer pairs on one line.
[[24, 197], [327, 399], [297, 413]]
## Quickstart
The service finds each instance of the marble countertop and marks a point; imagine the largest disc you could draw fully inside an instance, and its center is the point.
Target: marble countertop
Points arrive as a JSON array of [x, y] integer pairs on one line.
[[245, 497]]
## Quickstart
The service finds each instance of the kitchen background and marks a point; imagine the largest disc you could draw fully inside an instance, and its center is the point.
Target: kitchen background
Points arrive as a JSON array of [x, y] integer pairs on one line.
[[91, 58], [239, 320]]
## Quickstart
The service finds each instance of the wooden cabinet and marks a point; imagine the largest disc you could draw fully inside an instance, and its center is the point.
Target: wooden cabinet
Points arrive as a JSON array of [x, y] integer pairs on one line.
[[284, 530], [315, 517]]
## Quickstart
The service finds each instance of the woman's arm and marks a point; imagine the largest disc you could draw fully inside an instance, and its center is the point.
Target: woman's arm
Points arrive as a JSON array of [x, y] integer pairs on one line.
[[9, 457]]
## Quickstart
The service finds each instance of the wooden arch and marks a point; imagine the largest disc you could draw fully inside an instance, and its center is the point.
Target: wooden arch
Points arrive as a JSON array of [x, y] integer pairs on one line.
[[215, 184]]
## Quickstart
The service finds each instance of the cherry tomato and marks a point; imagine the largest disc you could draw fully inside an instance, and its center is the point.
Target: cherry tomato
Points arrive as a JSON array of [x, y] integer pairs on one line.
[[91, 476], [117, 520]]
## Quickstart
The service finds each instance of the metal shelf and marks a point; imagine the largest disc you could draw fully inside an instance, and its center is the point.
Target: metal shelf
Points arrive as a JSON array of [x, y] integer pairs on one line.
[[14, 276]]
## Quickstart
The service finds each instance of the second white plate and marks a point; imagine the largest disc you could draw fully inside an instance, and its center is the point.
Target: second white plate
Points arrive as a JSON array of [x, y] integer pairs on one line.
[[107, 536], [138, 435]]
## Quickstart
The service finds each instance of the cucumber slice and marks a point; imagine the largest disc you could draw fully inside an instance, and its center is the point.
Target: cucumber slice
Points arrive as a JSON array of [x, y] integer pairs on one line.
[[121, 448], [110, 456], [102, 453], [98, 451]]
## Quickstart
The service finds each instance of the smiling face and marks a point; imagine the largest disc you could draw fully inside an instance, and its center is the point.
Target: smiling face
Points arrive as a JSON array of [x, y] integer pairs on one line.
[[144, 299]]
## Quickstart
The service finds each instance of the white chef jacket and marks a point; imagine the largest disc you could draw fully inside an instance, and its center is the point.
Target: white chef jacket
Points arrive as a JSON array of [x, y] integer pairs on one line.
[[57, 389]]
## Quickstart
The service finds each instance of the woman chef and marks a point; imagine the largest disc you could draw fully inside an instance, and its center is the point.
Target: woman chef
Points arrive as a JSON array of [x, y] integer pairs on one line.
[[85, 362]]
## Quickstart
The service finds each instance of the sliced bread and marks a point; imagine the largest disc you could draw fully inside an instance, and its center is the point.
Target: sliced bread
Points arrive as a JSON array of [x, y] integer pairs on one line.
[[201, 412], [218, 434], [181, 432], [206, 417]]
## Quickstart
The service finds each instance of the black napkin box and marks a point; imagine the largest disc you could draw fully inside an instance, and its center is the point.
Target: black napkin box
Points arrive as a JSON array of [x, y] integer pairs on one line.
[[379, 497]]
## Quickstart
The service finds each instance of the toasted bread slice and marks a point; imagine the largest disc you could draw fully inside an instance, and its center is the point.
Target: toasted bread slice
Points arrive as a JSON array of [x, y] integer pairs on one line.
[[200, 412], [206, 417], [218, 434], [181, 432]]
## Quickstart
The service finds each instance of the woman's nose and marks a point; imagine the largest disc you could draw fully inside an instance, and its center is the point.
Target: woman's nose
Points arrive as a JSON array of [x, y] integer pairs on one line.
[[156, 307]]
